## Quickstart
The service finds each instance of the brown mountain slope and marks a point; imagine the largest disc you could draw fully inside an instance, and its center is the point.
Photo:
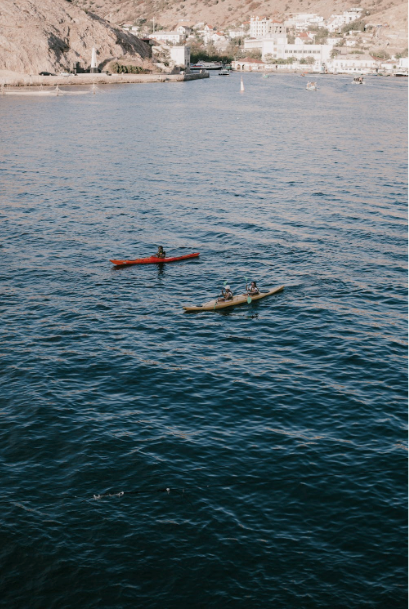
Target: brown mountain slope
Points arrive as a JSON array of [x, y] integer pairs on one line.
[[52, 35], [221, 13]]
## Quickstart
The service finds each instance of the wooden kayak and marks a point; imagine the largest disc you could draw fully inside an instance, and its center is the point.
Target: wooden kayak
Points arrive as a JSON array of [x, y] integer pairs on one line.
[[153, 260], [214, 305]]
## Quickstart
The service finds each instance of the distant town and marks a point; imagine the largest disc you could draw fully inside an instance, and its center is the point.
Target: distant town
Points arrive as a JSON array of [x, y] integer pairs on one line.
[[302, 42]]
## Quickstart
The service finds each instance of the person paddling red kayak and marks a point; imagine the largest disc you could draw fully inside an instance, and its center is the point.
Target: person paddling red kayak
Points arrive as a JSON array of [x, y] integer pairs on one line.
[[154, 259]]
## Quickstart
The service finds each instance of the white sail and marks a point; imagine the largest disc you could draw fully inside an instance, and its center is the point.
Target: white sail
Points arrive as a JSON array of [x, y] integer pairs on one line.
[[241, 85]]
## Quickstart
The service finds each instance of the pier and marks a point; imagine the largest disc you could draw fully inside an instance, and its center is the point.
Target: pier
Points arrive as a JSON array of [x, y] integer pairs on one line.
[[29, 80]]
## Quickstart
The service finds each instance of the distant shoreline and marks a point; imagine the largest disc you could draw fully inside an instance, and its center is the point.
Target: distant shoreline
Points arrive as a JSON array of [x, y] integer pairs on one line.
[[95, 79], [27, 80]]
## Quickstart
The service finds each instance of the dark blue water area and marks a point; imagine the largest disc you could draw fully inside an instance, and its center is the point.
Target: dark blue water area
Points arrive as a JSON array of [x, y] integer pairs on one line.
[[253, 457]]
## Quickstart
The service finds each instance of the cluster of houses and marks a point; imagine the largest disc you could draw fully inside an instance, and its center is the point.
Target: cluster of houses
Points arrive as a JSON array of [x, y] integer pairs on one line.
[[303, 21], [269, 38], [185, 30], [338, 65], [256, 28]]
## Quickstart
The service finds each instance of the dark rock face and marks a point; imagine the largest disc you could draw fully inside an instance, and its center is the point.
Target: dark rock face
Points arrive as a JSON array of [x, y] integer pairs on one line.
[[54, 35]]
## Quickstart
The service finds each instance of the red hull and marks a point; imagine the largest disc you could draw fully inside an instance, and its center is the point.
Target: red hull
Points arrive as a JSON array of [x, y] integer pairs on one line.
[[152, 260]]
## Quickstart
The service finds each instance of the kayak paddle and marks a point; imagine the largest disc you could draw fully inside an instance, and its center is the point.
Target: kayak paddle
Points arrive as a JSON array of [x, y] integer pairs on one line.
[[249, 301]]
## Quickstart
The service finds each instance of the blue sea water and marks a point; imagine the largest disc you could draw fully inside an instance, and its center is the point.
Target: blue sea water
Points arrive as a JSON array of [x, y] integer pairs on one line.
[[255, 457]]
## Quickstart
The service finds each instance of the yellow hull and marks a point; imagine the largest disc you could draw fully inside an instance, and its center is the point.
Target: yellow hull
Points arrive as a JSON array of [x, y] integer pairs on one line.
[[214, 305]]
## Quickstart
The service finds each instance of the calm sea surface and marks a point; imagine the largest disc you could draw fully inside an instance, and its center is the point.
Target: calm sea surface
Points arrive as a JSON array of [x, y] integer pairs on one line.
[[250, 458]]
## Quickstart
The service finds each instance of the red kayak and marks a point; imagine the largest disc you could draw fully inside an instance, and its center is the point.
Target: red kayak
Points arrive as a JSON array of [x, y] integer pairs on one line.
[[152, 260]]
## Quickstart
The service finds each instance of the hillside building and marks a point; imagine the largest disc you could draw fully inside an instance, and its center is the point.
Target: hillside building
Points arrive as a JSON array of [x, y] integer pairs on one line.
[[169, 37], [304, 37], [260, 27], [277, 47], [336, 22], [236, 34], [207, 33], [303, 21], [219, 40], [183, 30], [319, 52]]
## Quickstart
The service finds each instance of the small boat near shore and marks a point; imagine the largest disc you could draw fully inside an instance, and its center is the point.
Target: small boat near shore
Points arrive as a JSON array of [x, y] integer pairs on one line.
[[207, 65], [224, 72], [216, 305], [311, 86], [358, 80]]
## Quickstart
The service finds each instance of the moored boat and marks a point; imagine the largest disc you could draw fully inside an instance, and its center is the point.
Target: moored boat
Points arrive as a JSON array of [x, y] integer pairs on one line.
[[311, 86], [207, 65]]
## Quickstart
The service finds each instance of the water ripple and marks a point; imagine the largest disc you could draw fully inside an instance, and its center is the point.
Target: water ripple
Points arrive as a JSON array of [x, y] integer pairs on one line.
[[252, 457]]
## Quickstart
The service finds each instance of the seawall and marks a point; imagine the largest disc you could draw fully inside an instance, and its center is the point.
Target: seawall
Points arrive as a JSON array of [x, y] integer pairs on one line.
[[98, 79]]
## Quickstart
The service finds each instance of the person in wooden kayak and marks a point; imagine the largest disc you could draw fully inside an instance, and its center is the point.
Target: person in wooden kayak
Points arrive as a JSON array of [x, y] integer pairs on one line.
[[252, 289], [161, 252], [227, 294]]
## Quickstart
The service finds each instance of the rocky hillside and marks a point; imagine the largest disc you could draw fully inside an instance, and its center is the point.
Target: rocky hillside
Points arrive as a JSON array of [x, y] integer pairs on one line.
[[52, 35], [222, 13]]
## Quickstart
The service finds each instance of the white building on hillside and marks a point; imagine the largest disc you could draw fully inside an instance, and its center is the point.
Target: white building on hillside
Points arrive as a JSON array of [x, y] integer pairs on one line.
[[302, 21], [219, 40], [128, 27], [319, 52], [277, 27], [207, 33], [277, 47], [337, 22], [251, 44], [272, 39], [304, 37], [171, 37], [260, 27], [183, 30], [236, 34]]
